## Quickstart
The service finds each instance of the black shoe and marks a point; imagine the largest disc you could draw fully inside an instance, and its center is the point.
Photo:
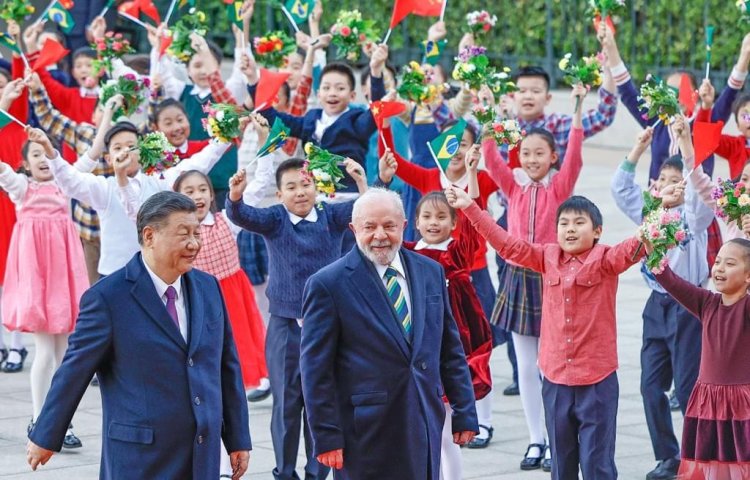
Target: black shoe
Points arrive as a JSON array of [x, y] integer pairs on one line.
[[533, 463], [3, 355], [547, 465], [13, 367], [481, 442], [71, 441], [674, 404], [511, 390], [665, 470], [258, 395]]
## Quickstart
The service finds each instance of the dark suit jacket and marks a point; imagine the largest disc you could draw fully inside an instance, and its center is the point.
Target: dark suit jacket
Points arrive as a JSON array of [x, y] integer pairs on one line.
[[367, 390], [167, 404]]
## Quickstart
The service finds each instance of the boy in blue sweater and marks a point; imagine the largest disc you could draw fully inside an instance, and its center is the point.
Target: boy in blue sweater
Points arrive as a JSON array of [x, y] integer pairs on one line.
[[301, 238], [671, 335], [336, 127]]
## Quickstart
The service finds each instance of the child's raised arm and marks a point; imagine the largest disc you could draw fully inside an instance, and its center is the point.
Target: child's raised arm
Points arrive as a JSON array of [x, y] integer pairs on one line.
[[471, 159], [627, 194], [14, 184]]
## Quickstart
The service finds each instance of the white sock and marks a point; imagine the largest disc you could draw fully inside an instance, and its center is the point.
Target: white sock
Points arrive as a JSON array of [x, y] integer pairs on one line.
[[484, 415], [530, 388]]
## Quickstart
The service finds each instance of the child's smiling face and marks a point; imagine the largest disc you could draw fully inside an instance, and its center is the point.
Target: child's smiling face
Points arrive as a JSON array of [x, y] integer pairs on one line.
[[576, 233], [537, 157], [730, 272], [435, 221], [37, 163], [531, 98], [335, 92], [670, 176]]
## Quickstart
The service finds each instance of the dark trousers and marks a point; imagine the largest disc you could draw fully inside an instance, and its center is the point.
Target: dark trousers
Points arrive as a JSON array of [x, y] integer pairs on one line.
[[581, 422], [671, 351], [282, 358]]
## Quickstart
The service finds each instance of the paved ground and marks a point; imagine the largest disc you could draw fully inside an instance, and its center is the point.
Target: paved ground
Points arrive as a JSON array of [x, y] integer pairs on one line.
[[500, 461]]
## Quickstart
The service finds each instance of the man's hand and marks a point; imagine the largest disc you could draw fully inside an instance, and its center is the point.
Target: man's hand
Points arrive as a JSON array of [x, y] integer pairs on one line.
[[239, 461], [462, 438], [237, 185], [37, 455], [333, 459]]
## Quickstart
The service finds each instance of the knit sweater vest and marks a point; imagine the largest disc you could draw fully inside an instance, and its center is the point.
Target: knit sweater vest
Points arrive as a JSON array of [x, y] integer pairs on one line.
[[227, 166], [295, 252]]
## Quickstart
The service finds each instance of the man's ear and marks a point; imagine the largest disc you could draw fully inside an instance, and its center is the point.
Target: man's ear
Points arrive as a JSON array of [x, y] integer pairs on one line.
[[148, 235]]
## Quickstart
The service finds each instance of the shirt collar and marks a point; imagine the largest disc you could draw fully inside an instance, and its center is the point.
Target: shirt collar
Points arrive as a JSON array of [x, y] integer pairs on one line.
[[311, 217], [202, 93], [161, 285], [442, 246], [183, 148], [523, 180], [395, 264], [581, 257], [209, 220], [462, 182], [89, 92], [326, 119]]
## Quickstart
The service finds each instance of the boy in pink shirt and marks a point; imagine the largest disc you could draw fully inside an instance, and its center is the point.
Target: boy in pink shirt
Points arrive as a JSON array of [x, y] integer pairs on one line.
[[578, 341]]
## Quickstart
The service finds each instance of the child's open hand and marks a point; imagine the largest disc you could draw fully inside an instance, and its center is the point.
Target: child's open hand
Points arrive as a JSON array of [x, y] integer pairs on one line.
[[387, 166], [707, 94], [457, 198], [237, 185], [472, 157]]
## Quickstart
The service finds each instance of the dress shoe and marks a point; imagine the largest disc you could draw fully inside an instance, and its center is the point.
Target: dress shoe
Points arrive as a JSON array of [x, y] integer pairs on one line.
[[3, 355], [665, 470], [547, 465], [533, 463], [71, 441], [477, 442], [511, 390], [258, 395], [15, 367], [674, 404]]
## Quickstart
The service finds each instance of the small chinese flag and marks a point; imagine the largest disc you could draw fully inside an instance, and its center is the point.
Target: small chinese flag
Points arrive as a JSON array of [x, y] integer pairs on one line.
[[706, 138]]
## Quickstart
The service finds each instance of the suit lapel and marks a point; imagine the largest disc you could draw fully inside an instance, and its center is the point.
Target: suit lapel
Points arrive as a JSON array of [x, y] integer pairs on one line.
[[195, 310], [417, 297], [145, 295], [372, 292]]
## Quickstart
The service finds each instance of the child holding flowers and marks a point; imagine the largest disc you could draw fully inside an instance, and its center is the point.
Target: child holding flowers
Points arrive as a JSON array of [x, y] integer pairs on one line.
[[711, 450], [671, 334], [534, 191], [578, 342]]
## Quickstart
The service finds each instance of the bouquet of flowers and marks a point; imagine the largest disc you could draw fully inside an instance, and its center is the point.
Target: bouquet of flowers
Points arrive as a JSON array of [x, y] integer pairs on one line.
[[606, 8], [472, 67], [323, 168], [156, 153], [505, 132], [223, 121], [415, 85], [112, 46], [480, 22], [732, 201], [134, 91], [587, 71], [271, 49], [351, 33], [659, 100], [181, 47], [16, 10], [501, 83], [484, 113], [663, 228]]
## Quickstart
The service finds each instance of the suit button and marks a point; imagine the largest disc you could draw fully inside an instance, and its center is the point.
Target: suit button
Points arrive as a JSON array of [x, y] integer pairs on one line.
[[197, 400], [200, 438], [190, 361], [423, 366]]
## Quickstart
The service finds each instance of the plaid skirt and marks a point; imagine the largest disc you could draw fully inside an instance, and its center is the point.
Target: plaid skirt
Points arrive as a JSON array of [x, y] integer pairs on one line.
[[518, 307]]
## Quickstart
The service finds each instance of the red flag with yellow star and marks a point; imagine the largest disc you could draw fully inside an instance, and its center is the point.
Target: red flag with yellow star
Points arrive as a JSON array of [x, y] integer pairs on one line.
[[382, 110], [423, 8]]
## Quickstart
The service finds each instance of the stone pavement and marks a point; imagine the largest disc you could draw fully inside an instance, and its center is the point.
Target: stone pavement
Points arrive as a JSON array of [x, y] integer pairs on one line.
[[500, 461]]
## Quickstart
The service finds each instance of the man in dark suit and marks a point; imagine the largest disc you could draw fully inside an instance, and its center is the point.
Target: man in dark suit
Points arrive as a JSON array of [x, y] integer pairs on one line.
[[380, 348], [158, 337]]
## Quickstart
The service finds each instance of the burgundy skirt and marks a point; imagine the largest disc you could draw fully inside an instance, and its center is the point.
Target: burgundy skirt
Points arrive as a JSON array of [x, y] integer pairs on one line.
[[716, 433]]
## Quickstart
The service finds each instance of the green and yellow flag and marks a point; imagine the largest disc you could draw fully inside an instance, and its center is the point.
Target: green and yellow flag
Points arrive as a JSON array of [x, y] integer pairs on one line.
[[300, 9], [8, 42], [432, 51], [444, 147], [234, 12], [58, 14], [277, 137]]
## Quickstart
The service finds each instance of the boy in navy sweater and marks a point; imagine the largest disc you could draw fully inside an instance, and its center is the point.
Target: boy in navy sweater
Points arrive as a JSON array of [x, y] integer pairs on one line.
[[301, 238], [336, 127]]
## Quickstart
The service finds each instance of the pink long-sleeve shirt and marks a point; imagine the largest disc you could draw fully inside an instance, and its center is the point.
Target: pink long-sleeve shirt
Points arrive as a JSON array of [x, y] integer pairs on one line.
[[532, 207]]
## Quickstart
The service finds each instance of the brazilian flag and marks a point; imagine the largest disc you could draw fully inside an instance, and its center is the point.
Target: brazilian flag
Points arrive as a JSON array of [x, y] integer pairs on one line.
[[58, 14], [300, 9], [432, 51], [444, 147], [9, 42], [234, 12], [277, 137]]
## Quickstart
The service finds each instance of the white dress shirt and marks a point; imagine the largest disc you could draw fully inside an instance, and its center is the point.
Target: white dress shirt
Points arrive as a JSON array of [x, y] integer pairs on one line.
[[179, 301], [400, 278], [442, 246], [325, 121], [311, 217]]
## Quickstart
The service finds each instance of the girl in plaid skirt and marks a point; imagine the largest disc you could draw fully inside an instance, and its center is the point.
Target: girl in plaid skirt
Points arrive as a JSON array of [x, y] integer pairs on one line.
[[534, 191]]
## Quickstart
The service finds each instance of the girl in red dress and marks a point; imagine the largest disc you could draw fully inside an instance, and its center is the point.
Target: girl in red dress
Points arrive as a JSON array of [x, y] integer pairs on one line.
[[219, 257], [436, 221]]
